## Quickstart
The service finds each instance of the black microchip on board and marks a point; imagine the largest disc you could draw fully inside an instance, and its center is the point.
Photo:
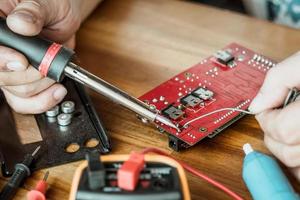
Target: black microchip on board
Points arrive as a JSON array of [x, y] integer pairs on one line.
[[224, 57], [190, 101], [173, 112], [203, 93]]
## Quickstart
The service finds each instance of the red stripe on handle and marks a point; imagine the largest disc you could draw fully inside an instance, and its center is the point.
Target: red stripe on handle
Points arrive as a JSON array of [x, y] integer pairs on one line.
[[48, 58]]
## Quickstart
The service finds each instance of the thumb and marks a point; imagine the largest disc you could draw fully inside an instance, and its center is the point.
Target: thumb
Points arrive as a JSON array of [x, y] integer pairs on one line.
[[28, 18], [279, 80]]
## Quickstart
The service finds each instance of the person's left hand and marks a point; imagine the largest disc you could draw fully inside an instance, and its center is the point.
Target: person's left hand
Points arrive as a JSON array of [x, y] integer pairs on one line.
[[26, 91], [281, 125]]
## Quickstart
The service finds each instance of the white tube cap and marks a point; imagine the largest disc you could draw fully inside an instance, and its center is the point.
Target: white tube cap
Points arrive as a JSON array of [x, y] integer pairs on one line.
[[247, 148]]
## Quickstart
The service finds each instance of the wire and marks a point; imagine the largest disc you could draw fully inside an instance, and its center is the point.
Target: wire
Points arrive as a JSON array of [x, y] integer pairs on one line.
[[216, 111], [196, 172]]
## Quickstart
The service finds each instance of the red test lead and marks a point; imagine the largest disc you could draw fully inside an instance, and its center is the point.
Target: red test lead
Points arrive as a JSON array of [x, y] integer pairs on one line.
[[128, 175], [40, 189]]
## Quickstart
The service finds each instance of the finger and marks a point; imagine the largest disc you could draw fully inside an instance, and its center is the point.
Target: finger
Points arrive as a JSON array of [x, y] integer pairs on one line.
[[288, 154], [6, 7], [31, 89], [279, 80], [38, 103], [62, 31], [296, 172], [28, 17], [282, 124], [19, 77], [11, 60], [2, 14], [71, 42]]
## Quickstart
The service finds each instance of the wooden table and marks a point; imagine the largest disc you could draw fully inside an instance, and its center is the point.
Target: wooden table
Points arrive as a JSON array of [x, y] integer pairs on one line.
[[138, 44]]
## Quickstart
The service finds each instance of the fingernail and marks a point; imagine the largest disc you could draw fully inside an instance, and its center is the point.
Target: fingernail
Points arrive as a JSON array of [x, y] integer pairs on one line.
[[15, 66], [258, 104], [59, 94], [25, 15]]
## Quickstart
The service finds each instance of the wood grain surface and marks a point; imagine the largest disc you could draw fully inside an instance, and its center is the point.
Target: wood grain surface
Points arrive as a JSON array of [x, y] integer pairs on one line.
[[138, 44]]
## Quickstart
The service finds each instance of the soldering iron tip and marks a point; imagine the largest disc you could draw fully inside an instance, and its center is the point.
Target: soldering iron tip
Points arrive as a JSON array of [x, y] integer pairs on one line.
[[167, 122]]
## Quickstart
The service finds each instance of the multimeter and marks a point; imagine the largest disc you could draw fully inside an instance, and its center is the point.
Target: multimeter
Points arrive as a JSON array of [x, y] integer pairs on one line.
[[158, 178]]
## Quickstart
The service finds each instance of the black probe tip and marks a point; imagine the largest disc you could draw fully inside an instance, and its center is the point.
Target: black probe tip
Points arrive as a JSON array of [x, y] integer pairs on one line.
[[36, 151]]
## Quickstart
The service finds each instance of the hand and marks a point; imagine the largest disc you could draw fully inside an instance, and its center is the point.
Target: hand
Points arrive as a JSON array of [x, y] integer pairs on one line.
[[281, 126], [25, 89]]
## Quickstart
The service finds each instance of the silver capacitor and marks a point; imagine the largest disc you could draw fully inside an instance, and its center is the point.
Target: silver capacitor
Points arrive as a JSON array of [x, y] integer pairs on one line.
[[68, 107], [64, 119], [53, 112]]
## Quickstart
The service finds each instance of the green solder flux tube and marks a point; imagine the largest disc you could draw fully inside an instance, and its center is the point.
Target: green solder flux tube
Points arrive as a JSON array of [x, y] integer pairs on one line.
[[264, 178]]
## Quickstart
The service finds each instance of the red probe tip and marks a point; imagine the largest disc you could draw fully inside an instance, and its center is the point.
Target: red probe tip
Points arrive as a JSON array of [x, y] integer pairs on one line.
[[40, 189]]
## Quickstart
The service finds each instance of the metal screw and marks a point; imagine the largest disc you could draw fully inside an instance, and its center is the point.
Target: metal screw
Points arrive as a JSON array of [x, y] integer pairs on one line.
[[68, 107], [203, 129], [64, 119], [53, 112]]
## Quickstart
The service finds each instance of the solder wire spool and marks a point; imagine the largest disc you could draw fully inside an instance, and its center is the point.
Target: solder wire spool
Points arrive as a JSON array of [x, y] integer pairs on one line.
[[264, 178]]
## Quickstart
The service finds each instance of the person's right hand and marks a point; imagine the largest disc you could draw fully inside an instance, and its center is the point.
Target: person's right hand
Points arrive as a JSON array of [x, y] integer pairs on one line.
[[281, 125], [25, 89]]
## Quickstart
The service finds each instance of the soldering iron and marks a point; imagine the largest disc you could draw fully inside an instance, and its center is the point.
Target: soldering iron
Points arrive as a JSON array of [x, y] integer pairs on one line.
[[55, 61]]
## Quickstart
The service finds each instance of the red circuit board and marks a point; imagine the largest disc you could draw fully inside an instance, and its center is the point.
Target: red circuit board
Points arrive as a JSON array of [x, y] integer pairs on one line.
[[233, 85]]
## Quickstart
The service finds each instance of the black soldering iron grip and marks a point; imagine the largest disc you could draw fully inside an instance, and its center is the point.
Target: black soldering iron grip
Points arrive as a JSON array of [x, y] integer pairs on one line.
[[35, 49]]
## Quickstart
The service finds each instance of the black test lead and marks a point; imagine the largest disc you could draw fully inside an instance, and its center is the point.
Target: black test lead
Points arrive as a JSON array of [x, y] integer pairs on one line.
[[54, 61], [22, 171]]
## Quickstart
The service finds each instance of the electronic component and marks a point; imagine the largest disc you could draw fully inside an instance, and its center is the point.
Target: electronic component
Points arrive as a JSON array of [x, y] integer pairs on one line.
[[22, 171], [53, 112], [224, 57], [203, 93], [190, 101], [95, 171], [173, 112], [64, 119], [40, 189], [135, 176], [263, 169], [218, 86], [140, 175], [68, 107]]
